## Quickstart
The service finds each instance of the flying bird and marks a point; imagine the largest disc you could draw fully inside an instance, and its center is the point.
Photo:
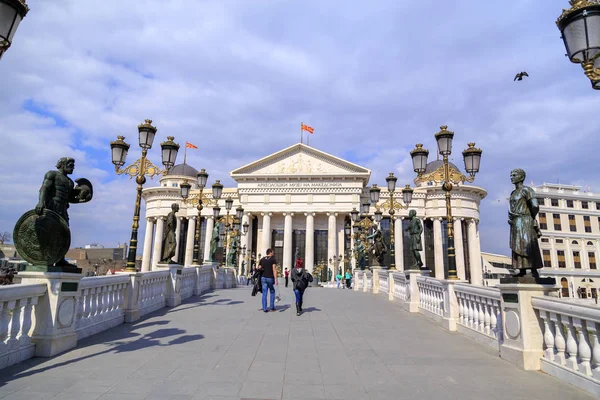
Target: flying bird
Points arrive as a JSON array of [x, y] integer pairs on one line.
[[520, 75]]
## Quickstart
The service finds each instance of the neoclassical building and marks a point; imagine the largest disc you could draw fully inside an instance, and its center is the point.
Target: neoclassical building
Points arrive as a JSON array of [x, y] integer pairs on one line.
[[297, 201]]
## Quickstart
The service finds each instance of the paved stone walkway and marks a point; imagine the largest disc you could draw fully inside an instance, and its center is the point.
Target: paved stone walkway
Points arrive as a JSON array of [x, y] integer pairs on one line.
[[348, 345]]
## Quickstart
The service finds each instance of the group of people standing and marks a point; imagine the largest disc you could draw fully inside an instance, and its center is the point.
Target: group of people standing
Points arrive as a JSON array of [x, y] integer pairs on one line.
[[265, 280]]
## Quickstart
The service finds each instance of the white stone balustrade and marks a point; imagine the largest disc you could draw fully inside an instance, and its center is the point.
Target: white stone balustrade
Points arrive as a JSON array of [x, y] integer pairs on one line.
[[188, 282], [431, 295], [401, 290], [571, 341], [16, 322], [383, 282], [479, 313], [153, 291], [358, 280], [100, 305]]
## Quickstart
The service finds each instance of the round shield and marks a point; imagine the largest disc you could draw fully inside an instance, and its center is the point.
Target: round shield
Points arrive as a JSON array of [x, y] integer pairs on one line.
[[85, 188], [42, 239]]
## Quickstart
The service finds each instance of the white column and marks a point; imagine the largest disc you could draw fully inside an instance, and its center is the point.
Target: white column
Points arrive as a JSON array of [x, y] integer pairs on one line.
[[244, 242], [474, 253], [438, 247], [553, 255], [331, 241], [266, 233], [287, 241], [569, 254], [423, 245], [459, 249], [158, 238], [309, 251], [399, 244], [249, 239], [147, 254], [585, 261], [210, 224], [189, 242], [177, 237], [352, 247]]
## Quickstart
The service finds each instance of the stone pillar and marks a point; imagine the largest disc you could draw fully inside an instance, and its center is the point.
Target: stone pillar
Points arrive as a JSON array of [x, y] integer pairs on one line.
[[459, 250], [399, 244], [353, 263], [210, 224], [173, 295], [523, 336], [309, 251], [423, 245], [474, 253], [266, 233], [553, 255], [569, 254], [412, 301], [244, 242], [189, 242], [54, 330], [147, 254], [331, 241], [438, 249], [177, 237], [158, 238], [287, 241]]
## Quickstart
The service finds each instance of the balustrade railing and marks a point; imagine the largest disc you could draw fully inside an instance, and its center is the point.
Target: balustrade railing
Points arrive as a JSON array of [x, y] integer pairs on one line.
[[571, 338], [17, 304], [100, 304], [358, 280], [401, 289], [479, 309], [431, 295], [188, 282], [383, 283], [153, 291]]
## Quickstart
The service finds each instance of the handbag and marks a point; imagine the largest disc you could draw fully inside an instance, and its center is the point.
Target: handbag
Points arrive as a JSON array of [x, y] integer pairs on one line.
[[277, 294]]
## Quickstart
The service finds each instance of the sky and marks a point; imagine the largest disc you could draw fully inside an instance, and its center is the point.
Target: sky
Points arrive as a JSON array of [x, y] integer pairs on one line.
[[236, 78]]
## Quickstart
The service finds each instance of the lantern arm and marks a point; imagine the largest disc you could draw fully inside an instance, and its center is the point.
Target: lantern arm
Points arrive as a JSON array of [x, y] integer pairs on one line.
[[141, 167], [365, 223], [225, 219], [589, 70], [390, 204], [437, 176], [197, 198]]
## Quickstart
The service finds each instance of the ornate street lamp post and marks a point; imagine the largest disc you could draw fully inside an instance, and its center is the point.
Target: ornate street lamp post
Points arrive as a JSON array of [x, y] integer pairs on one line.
[[12, 13], [472, 158], [580, 30], [199, 200], [141, 168], [391, 205]]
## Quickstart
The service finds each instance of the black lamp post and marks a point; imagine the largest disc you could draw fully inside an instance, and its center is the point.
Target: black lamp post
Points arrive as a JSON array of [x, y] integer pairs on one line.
[[472, 158], [141, 168], [580, 30], [12, 13], [185, 187]]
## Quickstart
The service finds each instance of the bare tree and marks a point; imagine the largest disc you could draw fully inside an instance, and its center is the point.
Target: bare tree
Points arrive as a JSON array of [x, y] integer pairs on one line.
[[5, 237]]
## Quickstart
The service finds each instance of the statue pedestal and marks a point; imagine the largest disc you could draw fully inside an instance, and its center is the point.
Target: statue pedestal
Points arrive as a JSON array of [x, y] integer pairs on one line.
[[523, 336], [412, 302], [54, 330], [173, 297], [69, 269]]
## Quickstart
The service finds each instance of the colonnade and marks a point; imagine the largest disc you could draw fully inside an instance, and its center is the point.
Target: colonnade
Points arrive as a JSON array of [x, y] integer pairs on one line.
[[335, 241]]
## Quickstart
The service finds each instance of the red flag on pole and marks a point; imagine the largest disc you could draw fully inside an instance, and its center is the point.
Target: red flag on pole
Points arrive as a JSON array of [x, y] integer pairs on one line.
[[308, 129]]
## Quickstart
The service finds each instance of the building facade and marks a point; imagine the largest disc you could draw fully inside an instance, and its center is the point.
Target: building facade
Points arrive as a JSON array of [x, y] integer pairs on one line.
[[298, 202], [569, 220]]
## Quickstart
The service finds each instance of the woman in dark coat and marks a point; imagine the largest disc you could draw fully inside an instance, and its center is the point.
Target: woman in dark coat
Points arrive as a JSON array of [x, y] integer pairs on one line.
[[300, 281]]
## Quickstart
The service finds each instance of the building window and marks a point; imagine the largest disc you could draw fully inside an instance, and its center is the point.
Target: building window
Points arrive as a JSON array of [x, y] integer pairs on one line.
[[584, 205], [556, 218], [564, 287], [569, 203], [590, 243], [592, 258], [559, 241], [547, 258], [545, 240], [597, 206], [575, 242], [561, 259], [543, 221], [174, 184], [587, 223], [541, 201], [572, 224], [577, 259], [554, 202]]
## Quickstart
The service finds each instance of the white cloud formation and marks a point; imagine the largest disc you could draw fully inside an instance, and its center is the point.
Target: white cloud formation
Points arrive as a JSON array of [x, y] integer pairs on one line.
[[236, 78]]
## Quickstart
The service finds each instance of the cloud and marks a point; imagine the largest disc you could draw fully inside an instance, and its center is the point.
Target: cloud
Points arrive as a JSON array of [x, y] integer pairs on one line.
[[236, 78]]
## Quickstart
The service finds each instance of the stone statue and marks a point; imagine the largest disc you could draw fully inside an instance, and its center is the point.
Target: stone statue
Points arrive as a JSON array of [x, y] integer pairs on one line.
[[415, 229], [524, 231], [214, 242], [296, 255], [42, 236], [233, 251], [361, 250], [169, 238], [379, 247]]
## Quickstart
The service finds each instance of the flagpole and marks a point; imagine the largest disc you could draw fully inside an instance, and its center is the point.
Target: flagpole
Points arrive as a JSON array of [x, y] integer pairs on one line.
[[185, 153], [307, 139], [300, 132]]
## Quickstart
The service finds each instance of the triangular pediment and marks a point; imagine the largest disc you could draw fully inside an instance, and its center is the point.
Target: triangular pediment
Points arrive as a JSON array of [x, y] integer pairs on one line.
[[300, 160]]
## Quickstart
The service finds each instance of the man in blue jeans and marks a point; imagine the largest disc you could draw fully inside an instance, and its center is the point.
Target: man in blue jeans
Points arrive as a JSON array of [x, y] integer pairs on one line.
[[268, 265]]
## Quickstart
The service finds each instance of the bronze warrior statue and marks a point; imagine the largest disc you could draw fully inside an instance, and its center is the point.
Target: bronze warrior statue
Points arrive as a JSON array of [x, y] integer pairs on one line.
[[415, 229], [379, 247], [170, 238], [214, 241], [524, 232]]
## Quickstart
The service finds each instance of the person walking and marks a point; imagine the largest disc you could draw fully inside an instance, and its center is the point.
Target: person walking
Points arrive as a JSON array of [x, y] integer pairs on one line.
[[300, 280], [268, 266], [286, 273], [338, 279], [348, 278]]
